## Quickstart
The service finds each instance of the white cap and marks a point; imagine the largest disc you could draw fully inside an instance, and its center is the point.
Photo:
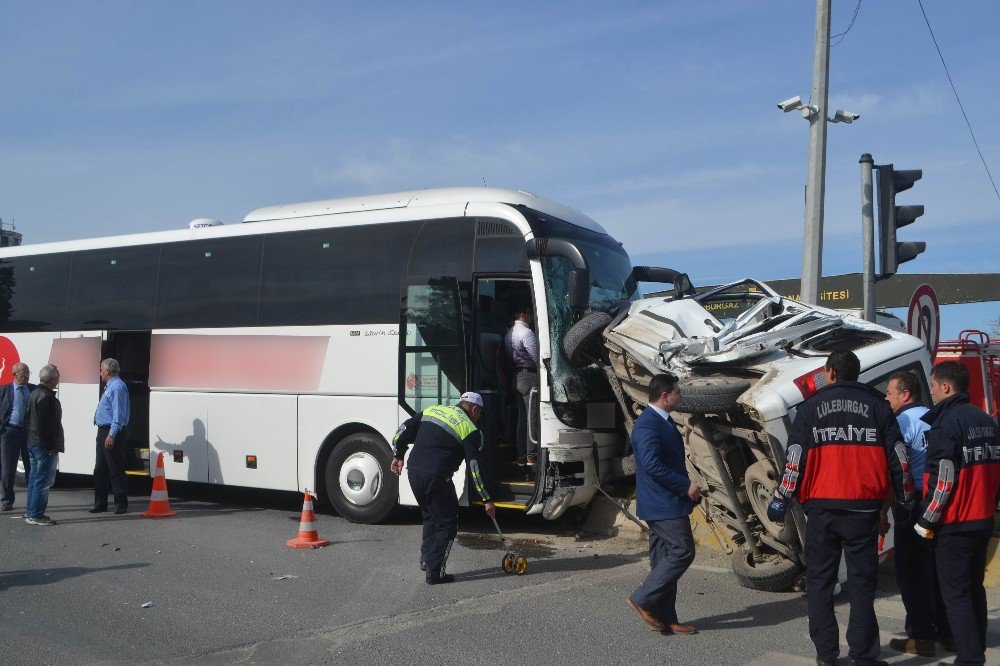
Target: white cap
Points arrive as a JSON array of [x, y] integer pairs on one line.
[[472, 398]]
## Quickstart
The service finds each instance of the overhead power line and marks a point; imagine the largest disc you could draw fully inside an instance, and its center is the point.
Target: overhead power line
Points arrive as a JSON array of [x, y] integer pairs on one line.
[[842, 35], [959, 100]]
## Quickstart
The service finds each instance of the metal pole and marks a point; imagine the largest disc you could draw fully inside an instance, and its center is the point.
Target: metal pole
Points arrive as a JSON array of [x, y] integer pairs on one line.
[[867, 238], [812, 250]]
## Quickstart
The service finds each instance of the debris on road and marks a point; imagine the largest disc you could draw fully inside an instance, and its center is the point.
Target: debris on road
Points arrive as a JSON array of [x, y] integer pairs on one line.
[[284, 577], [148, 604]]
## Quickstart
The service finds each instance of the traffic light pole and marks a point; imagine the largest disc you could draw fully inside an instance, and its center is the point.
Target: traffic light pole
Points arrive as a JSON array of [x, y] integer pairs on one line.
[[812, 250], [867, 238]]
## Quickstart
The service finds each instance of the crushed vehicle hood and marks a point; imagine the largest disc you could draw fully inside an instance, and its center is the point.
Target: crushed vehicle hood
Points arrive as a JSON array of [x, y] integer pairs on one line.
[[683, 337]]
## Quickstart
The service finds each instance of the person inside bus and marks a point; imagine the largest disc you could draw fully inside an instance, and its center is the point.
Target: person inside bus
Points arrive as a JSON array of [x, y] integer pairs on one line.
[[521, 347]]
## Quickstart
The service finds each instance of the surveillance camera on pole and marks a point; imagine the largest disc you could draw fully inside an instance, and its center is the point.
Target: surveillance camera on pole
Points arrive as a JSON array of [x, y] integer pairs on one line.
[[793, 104], [842, 116]]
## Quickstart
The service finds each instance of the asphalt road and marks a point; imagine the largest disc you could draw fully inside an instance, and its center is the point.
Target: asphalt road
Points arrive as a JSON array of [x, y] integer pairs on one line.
[[225, 589]]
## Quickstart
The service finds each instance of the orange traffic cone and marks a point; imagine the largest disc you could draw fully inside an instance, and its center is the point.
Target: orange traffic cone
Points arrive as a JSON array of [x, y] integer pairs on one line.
[[308, 536], [159, 503]]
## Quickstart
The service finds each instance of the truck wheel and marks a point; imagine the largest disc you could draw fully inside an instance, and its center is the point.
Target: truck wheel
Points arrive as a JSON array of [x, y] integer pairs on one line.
[[623, 467], [774, 573], [359, 484], [761, 480], [702, 395], [582, 342]]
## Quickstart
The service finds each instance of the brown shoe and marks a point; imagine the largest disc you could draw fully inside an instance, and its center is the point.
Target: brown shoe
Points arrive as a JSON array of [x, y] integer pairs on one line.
[[683, 629], [647, 617], [918, 646]]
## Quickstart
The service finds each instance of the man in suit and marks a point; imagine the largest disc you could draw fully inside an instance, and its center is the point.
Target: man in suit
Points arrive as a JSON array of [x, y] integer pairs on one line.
[[13, 436], [665, 497]]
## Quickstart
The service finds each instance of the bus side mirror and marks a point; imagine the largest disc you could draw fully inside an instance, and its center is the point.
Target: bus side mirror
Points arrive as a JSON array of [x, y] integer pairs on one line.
[[683, 286], [579, 289]]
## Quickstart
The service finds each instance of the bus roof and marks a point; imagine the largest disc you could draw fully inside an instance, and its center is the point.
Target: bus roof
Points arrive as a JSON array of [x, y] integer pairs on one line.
[[429, 197], [310, 214]]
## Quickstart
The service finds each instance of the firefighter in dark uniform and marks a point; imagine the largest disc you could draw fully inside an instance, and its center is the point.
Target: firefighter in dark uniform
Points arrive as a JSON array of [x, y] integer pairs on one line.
[[843, 450], [961, 487], [442, 438]]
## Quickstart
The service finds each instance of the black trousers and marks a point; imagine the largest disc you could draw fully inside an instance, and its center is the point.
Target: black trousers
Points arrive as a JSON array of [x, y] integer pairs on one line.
[[439, 505], [13, 442], [524, 381], [916, 578], [961, 565], [829, 532], [109, 471], [671, 552]]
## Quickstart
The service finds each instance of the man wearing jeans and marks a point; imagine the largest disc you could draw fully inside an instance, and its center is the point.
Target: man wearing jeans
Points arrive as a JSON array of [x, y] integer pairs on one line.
[[45, 442], [111, 418]]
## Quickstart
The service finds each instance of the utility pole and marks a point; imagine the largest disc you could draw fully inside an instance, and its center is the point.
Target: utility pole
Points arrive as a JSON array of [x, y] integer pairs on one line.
[[812, 251], [867, 238]]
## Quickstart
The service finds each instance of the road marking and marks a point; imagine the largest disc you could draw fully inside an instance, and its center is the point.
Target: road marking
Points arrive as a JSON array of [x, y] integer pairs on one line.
[[333, 638]]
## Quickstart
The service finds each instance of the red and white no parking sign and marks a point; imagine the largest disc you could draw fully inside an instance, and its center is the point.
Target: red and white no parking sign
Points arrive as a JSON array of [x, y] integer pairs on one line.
[[924, 318]]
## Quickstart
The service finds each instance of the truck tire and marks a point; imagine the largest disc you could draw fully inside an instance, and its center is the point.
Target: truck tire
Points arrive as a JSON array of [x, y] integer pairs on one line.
[[775, 573], [582, 343], [623, 467], [760, 482], [701, 395], [359, 484]]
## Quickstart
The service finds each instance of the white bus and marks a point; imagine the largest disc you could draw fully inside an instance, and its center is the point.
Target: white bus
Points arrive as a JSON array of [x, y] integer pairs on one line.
[[284, 352]]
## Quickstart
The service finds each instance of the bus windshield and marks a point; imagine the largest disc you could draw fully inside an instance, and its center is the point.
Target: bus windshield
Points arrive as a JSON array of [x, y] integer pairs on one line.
[[573, 388]]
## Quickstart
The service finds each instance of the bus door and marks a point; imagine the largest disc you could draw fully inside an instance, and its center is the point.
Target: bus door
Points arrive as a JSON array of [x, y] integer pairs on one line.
[[131, 350], [432, 358]]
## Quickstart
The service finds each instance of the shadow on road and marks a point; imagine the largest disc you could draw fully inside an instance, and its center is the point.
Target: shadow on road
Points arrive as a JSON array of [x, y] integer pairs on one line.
[[29, 577], [786, 607], [555, 565]]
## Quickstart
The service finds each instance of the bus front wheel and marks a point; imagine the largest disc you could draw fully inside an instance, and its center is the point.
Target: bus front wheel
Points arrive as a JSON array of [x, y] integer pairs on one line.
[[359, 484]]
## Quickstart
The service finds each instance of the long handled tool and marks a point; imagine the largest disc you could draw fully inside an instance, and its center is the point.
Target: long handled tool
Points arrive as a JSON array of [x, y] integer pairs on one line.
[[628, 514], [513, 562]]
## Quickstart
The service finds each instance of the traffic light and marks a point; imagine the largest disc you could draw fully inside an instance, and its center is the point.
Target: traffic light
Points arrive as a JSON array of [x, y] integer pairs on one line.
[[891, 217]]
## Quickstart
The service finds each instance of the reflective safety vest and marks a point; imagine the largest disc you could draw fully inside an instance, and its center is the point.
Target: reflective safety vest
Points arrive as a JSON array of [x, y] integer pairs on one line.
[[453, 420]]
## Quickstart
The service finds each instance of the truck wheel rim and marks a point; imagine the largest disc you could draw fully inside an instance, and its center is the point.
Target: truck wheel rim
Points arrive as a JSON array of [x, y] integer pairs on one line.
[[360, 478]]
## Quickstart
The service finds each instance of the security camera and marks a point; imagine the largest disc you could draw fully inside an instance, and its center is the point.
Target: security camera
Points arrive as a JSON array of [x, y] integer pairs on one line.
[[793, 104], [842, 116]]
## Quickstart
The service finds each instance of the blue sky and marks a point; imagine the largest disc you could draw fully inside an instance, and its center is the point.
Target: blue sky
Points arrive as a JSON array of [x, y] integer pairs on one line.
[[657, 119]]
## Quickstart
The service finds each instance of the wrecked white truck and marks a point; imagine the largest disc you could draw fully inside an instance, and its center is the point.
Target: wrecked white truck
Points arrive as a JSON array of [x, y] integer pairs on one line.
[[741, 379]]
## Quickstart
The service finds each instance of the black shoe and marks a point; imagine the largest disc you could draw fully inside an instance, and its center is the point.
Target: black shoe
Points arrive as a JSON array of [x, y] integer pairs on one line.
[[821, 662], [868, 662], [436, 579], [97, 509], [7, 507], [119, 510]]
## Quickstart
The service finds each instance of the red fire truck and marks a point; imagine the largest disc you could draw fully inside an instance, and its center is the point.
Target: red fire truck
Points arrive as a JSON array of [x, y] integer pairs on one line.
[[981, 355]]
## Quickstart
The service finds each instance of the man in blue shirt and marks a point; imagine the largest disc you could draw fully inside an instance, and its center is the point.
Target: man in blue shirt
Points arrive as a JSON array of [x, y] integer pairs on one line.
[[111, 418], [926, 621], [13, 436], [665, 497]]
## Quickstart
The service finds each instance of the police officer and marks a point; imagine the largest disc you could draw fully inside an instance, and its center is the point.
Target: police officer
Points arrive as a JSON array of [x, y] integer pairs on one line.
[[843, 448], [961, 486], [442, 437]]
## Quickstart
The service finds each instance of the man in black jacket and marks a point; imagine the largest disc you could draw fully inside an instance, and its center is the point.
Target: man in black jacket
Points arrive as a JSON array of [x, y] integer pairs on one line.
[[45, 442], [13, 437], [961, 488], [843, 450]]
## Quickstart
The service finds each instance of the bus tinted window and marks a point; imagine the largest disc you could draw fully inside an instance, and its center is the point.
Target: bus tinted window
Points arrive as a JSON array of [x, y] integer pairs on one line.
[[444, 247], [33, 292], [112, 289], [342, 275], [208, 283]]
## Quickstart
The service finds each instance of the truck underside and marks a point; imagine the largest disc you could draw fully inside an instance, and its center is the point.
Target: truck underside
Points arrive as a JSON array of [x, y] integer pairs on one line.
[[728, 371]]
